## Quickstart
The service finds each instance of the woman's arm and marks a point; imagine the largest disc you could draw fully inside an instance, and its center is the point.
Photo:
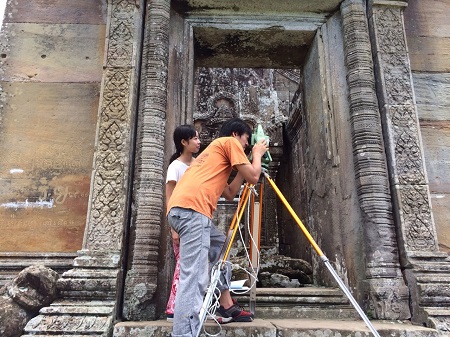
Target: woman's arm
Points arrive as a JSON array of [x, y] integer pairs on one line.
[[170, 186]]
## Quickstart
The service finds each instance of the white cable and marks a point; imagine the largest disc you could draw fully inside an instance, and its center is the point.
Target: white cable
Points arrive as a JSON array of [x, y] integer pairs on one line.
[[213, 304], [252, 242]]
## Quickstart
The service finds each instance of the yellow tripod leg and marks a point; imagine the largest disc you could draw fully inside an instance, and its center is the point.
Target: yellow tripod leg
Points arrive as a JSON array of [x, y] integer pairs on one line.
[[235, 222], [323, 257]]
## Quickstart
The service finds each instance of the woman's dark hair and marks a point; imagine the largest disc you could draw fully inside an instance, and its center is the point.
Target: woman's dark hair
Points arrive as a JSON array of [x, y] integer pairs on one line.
[[181, 132], [234, 125]]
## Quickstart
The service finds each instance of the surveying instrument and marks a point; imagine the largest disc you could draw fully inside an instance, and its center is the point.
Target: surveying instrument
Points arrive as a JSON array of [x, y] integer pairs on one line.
[[248, 194]]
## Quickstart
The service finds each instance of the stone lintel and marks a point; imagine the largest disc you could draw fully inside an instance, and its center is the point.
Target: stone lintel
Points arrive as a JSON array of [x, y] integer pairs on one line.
[[394, 3], [301, 22], [220, 7]]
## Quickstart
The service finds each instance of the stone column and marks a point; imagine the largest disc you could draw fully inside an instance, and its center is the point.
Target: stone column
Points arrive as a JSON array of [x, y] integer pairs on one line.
[[148, 198], [388, 295], [426, 269], [90, 292]]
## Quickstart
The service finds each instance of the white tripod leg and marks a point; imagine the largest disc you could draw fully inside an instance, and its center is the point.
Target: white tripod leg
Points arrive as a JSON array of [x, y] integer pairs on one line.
[[207, 301]]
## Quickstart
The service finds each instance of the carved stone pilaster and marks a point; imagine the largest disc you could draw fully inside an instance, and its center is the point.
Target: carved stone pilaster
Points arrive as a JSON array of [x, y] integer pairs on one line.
[[90, 290], [404, 148], [141, 278], [383, 275], [427, 271]]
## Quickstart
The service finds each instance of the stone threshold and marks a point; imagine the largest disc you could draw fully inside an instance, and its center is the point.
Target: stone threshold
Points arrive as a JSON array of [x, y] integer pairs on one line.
[[282, 328]]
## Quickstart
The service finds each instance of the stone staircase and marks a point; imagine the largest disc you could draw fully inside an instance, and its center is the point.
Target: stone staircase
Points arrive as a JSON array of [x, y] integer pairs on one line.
[[430, 276], [289, 312], [305, 302]]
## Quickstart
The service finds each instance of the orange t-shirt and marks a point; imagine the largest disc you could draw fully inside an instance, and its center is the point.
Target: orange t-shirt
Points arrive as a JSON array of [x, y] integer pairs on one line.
[[204, 181]]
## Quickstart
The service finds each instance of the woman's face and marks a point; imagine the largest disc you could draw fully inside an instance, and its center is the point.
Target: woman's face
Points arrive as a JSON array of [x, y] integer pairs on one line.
[[193, 144]]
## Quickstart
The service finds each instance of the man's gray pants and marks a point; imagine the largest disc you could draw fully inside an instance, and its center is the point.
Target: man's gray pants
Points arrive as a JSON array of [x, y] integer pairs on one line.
[[200, 243]]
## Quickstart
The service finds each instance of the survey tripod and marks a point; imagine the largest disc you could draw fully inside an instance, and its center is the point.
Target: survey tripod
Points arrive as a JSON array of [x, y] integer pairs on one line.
[[215, 273]]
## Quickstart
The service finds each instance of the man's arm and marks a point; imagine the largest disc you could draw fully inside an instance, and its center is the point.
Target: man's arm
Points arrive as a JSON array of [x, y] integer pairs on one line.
[[250, 172], [232, 189]]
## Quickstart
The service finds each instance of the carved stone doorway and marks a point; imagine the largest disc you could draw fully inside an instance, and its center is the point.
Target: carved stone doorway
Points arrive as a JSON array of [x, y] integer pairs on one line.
[[217, 65], [333, 167]]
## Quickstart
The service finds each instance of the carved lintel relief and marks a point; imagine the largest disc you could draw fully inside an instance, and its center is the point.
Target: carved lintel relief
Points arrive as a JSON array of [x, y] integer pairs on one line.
[[426, 269], [250, 94], [258, 96], [383, 276], [89, 291]]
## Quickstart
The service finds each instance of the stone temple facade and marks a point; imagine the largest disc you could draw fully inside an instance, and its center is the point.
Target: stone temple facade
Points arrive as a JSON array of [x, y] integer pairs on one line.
[[351, 93]]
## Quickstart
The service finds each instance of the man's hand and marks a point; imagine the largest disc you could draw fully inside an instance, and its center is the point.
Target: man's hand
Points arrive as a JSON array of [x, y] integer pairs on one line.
[[260, 148], [252, 172], [175, 237]]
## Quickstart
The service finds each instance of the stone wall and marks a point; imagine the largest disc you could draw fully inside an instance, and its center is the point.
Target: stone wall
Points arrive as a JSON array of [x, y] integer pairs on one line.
[[51, 68], [319, 165], [428, 37]]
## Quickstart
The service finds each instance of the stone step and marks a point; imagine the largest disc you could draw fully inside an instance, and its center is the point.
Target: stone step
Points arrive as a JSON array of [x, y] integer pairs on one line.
[[437, 311], [281, 328], [304, 302], [437, 267], [430, 263], [433, 278], [429, 256], [434, 291], [79, 308]]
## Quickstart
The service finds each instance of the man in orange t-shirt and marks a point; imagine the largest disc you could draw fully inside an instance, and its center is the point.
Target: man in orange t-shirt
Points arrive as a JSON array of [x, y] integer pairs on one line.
[[190, 211]]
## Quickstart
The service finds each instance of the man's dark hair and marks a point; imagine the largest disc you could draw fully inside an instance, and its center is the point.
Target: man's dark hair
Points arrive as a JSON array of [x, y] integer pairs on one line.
[[235, 125]]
